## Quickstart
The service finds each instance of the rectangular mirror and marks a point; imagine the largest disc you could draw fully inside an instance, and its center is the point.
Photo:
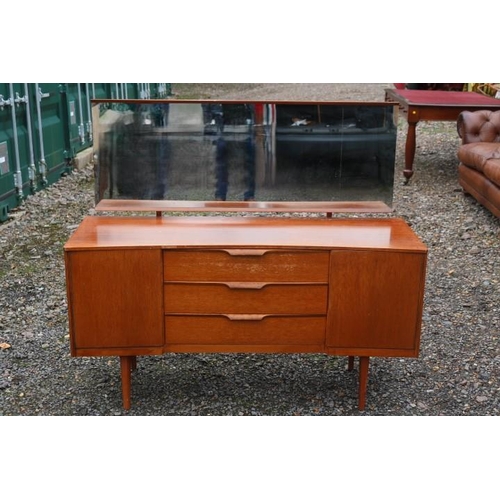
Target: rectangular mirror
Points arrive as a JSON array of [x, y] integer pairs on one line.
[[245, 155]]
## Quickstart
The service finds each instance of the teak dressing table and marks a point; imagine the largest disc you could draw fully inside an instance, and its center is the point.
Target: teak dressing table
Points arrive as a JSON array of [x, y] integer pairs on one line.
[[226, 276]]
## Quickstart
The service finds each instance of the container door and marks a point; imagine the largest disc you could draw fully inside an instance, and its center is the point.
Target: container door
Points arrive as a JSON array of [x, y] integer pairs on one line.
[[17, 169], [50, 131], [78, 116]]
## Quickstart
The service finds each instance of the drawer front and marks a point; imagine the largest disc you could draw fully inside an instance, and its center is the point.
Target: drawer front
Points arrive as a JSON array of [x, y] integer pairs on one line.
[[262, 298], [245, 329], [254, 265]]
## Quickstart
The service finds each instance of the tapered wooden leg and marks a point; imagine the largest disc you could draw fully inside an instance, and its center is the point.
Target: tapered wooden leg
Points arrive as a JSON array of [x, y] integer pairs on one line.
[[350, 363], [126, 370], [411, 139], [364, 362]]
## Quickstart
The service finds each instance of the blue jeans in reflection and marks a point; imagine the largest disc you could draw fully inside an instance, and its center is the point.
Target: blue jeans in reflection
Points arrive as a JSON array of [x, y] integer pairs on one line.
[[222, 169]]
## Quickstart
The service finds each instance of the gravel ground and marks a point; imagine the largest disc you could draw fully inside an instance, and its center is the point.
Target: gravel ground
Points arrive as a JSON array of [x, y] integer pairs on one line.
[[457, 372]]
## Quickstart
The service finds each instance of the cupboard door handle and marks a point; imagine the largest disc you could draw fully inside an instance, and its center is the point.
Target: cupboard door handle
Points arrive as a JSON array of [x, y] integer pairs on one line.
[[245, 286], [245, 317], [246, 252]]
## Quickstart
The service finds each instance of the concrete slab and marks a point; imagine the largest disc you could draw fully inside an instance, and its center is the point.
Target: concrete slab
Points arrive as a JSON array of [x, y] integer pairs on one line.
[[83, 158]]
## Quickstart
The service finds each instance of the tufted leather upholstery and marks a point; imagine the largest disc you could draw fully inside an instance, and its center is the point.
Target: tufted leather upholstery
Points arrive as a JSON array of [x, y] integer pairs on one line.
[[479, 155], [479, 126]]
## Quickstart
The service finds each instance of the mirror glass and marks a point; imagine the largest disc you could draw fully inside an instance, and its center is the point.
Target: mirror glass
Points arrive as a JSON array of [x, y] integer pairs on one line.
[[244, 151]]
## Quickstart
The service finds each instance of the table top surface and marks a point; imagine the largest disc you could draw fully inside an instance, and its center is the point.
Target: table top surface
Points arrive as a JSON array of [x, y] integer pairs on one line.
[[442, 98], [103, 232]]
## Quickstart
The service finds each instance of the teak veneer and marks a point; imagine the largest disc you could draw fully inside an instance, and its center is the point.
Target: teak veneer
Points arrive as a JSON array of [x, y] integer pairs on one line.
[[151, 285]]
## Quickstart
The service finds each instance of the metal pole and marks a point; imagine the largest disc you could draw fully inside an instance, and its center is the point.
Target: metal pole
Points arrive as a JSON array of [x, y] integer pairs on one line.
[[32, 168], [81, 128], [18, 178], [89, 122], [42, 165]]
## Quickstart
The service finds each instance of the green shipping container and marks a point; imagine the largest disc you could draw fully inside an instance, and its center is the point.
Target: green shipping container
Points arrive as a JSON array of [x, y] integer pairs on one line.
[[43, 127], [18, 176], [52, 131]]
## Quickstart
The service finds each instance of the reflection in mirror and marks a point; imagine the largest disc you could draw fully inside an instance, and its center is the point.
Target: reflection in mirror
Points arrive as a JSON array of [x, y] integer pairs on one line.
[[237, 151]]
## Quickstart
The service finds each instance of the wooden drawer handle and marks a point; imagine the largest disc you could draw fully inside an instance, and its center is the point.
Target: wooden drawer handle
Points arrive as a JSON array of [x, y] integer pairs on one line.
[[245, 317], [246, 252], [241, 285]]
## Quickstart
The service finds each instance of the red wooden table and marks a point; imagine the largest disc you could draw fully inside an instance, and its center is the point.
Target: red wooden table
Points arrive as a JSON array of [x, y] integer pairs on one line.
[[433, 105]]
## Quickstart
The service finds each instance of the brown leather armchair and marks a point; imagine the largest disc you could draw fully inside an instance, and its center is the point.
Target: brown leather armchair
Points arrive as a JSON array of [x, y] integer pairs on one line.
[[479, 155]]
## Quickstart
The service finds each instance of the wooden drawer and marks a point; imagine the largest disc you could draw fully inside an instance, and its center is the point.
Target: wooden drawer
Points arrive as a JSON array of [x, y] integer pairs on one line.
[[238, 297], [245, 329], [255, 265]]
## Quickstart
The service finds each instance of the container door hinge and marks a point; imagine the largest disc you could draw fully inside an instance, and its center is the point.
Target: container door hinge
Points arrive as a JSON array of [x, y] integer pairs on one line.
[[18, 99], [18, 182], [41, 95], [42, 168], [5, 102]]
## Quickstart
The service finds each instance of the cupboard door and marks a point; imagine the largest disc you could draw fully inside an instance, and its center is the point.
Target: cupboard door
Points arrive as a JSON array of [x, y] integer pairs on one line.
[[375, 300], [115, 298]]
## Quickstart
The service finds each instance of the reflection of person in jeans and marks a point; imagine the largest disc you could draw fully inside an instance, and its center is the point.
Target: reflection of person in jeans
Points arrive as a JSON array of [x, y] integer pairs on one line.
[[222, 173], [239, 117], [159, 116]]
